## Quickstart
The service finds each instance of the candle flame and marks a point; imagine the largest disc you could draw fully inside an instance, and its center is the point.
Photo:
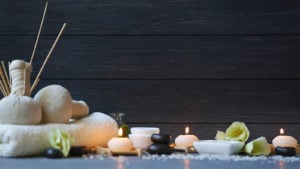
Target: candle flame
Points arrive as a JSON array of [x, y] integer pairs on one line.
[[187, 130], [281, 131], [120, 132]]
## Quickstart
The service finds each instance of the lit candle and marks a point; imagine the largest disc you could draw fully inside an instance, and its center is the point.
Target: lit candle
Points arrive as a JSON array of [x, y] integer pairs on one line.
[[185, 140], [120, 144], [284, 140]]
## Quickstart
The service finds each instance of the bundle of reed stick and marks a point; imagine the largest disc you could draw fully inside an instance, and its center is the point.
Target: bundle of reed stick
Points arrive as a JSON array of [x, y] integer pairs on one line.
[[5, 81]]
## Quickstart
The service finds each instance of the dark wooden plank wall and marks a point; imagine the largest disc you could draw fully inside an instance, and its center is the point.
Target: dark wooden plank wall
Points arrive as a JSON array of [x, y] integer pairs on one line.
[[202, 63]]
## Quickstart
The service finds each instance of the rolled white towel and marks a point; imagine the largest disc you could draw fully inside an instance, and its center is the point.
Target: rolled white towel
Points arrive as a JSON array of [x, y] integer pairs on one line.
[[29, 140]]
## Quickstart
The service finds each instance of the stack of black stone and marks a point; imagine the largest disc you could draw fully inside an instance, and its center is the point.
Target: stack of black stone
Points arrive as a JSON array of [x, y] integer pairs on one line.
[[161, 144]]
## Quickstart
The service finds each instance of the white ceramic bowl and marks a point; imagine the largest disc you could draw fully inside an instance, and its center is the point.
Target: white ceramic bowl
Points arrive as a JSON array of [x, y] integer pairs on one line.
[[218, 147], [144, 130]]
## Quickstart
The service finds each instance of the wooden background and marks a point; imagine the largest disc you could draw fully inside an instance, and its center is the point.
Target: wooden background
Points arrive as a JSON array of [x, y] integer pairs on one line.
[[169, 63]]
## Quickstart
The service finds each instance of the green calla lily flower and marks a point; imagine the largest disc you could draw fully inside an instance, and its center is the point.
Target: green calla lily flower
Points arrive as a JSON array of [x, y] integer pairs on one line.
[[237, 131], [61, 140], [259, 146]]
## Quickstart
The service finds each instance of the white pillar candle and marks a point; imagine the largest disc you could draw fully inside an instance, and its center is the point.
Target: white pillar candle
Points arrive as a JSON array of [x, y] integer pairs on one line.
[[284, 140], [140, 141], [186, 140], [120, 144], [141, 136]]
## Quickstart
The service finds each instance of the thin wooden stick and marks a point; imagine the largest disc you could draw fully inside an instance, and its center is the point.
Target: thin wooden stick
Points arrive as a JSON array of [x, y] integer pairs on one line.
[[34, 85], [3, 79], [24, 88], [39, 32], [3, 89], [9, 76], [6, 76], [48, 55]]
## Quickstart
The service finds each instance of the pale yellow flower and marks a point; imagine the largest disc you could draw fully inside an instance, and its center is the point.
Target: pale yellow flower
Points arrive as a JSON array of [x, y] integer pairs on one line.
[[259, 146], [61, 140], [220, 135], [237, 131]]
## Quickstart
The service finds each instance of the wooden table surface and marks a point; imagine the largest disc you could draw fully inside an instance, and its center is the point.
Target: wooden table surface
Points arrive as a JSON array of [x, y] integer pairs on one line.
[[130, 162]]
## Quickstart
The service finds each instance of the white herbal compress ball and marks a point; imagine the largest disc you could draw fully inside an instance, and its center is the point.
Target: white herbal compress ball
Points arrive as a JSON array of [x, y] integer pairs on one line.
[[56, 104], [80, 109], [19, 110]]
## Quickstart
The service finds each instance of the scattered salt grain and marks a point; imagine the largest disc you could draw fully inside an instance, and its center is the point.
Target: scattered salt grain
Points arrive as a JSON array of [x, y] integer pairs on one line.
[[92, 156], [217, 157]]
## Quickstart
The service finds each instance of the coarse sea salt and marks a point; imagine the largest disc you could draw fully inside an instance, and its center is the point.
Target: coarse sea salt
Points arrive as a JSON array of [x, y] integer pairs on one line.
[[210, 157], [216, 157], [93, 156]]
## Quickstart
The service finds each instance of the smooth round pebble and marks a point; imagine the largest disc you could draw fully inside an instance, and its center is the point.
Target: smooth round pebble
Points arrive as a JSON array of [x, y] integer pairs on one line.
[[160, 138], [53, 153], [78, 151], [160, 149], [285, 151]]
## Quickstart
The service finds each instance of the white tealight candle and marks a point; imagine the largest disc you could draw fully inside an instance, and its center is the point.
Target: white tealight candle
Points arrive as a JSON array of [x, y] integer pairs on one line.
[[185, 140], [284, 140], [120, 144]]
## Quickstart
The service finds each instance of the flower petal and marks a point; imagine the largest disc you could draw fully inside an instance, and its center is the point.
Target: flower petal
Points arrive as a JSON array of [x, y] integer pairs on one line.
[[259, 146], [60, 140], [237, 131], [220, 135]]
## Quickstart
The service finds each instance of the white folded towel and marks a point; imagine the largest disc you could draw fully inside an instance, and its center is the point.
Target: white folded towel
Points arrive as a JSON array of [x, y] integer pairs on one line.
[[29, 140]]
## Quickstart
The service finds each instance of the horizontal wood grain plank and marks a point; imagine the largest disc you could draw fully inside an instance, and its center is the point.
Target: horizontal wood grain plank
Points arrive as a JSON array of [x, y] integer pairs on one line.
[[132, 17], [160, 57], [191, 101]]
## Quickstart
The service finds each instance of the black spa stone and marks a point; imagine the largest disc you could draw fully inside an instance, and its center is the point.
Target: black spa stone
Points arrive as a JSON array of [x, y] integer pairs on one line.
[[53, 153], [160, 138], [160, 149], [77, 151], [285, 151]]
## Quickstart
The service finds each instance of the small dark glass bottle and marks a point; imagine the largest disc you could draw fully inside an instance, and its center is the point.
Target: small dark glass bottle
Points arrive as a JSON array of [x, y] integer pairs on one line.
[[118, 117]]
